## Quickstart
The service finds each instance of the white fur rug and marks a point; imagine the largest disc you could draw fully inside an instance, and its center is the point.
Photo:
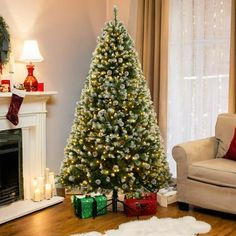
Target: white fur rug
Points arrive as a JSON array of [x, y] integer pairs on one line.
[[185, 226]]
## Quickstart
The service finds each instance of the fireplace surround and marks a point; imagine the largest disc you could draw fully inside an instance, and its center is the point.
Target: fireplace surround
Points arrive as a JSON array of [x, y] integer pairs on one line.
[[32, 122]]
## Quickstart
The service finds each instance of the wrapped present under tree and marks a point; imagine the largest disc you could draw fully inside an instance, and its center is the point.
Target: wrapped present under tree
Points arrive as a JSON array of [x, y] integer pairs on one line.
[[101, 205], [86, 206], [140, 205]]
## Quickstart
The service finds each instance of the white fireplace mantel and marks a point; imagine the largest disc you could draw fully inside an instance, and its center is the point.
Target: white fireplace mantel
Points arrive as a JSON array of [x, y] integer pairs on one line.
[[32, 121]]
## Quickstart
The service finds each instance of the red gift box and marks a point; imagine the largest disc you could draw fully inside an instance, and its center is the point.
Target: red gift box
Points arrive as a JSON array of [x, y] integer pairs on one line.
[[147, 205]]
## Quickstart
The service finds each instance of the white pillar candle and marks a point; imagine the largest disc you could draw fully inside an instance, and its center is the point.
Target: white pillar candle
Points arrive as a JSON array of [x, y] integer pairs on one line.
[[41, 185], [34, 184], [48, 191], [46, 175], [37, 195], [51, 181]]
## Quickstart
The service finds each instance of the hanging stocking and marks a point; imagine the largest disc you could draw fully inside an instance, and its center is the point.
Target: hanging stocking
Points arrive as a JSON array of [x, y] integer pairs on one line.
[[16, 101]]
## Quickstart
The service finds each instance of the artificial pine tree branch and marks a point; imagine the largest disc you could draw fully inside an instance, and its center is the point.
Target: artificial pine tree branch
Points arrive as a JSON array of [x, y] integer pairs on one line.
[[115, 14]]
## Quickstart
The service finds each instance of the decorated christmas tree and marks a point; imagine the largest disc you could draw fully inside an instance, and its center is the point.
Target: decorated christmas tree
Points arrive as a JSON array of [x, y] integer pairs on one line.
[[115, 142]]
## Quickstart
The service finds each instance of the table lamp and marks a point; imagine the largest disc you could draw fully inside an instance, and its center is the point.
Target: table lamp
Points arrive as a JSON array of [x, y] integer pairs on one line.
[[31, 54]]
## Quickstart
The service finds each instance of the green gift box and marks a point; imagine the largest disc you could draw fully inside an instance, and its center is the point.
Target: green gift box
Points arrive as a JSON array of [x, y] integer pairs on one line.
[[101, 205], [86, 207], [83, 206]]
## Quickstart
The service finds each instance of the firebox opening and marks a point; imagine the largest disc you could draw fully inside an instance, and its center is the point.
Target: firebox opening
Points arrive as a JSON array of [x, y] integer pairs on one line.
[[11, 173]]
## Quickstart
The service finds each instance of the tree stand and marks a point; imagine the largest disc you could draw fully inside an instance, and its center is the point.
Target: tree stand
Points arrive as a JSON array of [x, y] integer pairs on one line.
[[114, 202]]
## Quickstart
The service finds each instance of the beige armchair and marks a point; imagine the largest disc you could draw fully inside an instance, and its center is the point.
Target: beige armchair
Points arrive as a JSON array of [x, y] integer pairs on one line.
[[204, 178]]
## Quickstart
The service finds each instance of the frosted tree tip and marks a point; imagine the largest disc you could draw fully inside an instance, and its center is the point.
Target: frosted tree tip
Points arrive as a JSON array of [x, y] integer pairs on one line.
[[115, 9]]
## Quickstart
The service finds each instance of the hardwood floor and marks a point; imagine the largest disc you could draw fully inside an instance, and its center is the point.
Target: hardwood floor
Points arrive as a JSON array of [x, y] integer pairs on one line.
[[59, 220]]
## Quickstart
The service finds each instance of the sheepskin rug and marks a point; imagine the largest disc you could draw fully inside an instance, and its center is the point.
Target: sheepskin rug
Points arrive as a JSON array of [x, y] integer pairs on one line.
[[184, 226]]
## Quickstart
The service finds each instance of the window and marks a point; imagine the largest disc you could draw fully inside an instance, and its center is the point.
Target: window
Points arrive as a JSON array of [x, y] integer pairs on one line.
[[198, 69]]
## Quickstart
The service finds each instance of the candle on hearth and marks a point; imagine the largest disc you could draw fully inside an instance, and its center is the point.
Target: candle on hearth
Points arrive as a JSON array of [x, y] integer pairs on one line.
[[51, 181], [48, 191], [41, 185], [46, 175], [37, 195], [34, 184]]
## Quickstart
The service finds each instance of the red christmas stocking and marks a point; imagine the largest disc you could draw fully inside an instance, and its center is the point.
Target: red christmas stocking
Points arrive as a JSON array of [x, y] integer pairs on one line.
[[16, 101]]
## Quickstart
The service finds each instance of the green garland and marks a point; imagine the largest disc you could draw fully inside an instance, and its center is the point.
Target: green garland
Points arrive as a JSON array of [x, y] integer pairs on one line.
[[4, 43]]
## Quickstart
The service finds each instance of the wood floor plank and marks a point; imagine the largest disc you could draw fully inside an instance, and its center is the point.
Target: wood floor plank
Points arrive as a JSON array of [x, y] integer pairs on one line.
[[59, 220]]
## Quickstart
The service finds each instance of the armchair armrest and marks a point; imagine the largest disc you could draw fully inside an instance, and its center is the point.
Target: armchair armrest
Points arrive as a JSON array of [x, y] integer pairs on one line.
[[197, 150], [193, 151]]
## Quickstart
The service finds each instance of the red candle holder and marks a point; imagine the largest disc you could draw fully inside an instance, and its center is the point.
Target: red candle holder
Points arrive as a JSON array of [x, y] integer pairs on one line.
[[5, 85], [41, 87]]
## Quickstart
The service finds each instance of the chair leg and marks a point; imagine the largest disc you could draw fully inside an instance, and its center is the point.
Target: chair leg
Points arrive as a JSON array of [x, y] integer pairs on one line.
[[183, 206]]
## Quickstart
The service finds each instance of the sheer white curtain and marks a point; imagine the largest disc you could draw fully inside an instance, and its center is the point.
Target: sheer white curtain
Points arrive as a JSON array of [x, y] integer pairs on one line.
[[198, 69]]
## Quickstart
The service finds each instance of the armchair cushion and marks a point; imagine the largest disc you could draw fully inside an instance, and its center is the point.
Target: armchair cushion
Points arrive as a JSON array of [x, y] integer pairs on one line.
[[224, 132], [218, 171]]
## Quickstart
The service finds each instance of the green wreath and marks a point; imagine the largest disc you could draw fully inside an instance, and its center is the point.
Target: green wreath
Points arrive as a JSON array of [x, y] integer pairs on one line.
[[4, 43]]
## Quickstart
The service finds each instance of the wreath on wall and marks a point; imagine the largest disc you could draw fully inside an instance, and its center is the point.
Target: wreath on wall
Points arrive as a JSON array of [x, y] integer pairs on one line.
[[4, 43]]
